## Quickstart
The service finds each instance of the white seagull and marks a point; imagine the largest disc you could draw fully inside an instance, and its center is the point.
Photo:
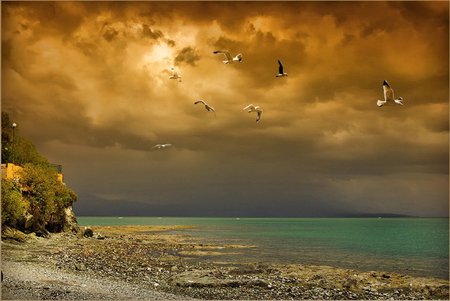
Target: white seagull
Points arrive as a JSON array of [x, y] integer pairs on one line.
[[229, 60], [280, 70], [251, 108], [207, 106], [175, 75], [161, 146], [389, 95]]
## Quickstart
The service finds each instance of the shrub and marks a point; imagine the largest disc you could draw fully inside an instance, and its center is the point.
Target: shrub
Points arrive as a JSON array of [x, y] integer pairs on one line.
[[47, 197], [15, 148], [13, 206]]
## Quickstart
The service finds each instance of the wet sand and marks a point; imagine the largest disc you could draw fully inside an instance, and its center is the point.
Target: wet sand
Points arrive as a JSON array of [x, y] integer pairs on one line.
[[147, 262]]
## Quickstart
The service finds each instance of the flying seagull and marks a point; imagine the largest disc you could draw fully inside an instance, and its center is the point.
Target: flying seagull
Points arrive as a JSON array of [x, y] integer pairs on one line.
[[251, 108], [175, 75], [389, 95], [229, 60], [280, 70], [207, 106], [161, 146]]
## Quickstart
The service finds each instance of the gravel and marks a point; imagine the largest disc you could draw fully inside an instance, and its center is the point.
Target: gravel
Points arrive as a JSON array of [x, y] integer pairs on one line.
[[28, 280]]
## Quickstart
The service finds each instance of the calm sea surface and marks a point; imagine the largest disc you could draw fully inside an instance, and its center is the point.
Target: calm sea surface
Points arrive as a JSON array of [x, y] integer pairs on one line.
[[415, 246]]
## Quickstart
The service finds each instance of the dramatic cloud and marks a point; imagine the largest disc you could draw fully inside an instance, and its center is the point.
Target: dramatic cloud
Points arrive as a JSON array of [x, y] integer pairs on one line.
[[187, 55], [89, 83], [147, 32]]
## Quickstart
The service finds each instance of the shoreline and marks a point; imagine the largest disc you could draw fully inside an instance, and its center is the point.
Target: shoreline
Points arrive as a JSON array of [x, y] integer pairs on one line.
[[145, 262]]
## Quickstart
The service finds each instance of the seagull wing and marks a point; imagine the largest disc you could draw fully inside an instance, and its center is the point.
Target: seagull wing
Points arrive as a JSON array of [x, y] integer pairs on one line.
[[226, 53], [200, 101], [209, 108], [388, 93], [280, 67], [167, 145], [250, 106], [157, 146]]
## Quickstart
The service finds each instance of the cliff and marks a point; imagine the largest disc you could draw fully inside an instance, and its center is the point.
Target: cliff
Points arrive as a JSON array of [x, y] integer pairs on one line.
[[34, 197]]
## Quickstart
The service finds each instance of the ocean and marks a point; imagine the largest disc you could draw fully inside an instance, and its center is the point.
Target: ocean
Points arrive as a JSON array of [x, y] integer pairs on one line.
[[414, 246]]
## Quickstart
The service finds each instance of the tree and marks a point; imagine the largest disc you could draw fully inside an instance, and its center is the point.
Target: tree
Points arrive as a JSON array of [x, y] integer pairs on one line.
[[47, 197], [15, 148], [13, 206], [38, 193], [24, 151], [6, 137]]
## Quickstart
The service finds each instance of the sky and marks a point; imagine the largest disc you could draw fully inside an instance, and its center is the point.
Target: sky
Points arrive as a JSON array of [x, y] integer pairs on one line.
[[88, 83]]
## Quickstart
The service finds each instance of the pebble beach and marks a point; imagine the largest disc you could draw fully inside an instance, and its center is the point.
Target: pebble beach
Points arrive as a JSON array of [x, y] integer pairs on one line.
[[148, 262]]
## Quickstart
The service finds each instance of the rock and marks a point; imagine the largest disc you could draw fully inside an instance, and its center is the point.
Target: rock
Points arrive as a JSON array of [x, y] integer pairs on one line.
[[258, 282], [27, 221], [42, 233], [80, 267], [88, 232], [70, 221], [202, 279], [14, 234], [31, 236], [234, 283], [350, 283], [439, 292], [246, 270]]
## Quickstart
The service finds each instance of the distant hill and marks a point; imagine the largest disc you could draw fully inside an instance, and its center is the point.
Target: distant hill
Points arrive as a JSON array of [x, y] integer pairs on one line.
[[375, 215]]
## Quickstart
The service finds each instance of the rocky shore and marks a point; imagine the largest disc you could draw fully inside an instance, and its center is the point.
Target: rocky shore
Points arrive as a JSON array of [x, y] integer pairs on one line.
[[134, 262]]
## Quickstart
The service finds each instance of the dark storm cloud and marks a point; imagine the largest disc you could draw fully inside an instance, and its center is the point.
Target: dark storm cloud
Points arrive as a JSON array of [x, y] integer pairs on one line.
[[378, 27], [421, 13], [171, 43], [187, 55], [96, 136], [148, 32], [109, 33], [95, 77], [61, 17]]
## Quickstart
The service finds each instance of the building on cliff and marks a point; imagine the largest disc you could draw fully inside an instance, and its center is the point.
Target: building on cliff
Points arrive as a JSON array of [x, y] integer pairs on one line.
[[12, 171]]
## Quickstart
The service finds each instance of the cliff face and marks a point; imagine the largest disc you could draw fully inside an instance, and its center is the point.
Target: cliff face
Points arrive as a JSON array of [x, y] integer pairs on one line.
[[70, 221], [36, 201]]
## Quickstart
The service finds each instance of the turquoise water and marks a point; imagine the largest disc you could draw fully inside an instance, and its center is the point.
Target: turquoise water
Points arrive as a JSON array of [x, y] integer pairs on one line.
[[415, 246]]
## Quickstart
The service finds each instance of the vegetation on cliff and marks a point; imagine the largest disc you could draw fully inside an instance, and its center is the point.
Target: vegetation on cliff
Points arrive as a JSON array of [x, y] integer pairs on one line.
[[36, 201], [14, 207], [17, 149]]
